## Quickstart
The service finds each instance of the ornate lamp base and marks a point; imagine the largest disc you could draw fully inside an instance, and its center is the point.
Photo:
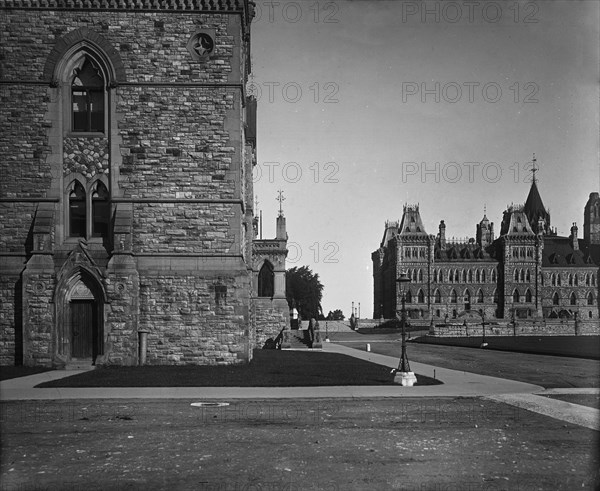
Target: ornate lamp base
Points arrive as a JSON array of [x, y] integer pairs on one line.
[[406, 379]]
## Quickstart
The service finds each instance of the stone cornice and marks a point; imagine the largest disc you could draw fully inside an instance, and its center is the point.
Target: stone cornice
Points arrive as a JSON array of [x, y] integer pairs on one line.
[[153, 5]]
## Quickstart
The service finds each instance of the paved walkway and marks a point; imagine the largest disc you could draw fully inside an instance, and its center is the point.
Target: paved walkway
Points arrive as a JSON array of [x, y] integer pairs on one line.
[[456, 384]]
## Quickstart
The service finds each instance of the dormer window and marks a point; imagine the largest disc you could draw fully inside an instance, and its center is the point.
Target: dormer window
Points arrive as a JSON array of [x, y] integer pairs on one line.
[[87, 97]]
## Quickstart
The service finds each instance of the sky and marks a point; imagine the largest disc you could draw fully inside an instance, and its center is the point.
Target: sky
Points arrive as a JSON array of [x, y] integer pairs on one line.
[[365, 106]]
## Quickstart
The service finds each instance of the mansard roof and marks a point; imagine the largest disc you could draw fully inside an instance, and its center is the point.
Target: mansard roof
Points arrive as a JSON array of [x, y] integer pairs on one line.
[[411, 222], [516, 222], [558, 251]]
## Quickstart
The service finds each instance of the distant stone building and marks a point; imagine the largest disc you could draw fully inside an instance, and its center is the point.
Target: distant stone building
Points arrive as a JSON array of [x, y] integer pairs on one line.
[[528, 272], [127, 142]]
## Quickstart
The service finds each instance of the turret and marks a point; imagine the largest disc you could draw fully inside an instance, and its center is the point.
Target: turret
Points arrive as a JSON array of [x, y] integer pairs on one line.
[[591, 220], [573, 237], [442, 235]]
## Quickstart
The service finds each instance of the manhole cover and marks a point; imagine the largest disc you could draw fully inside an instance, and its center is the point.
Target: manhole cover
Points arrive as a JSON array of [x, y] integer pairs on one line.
[[209, 404]]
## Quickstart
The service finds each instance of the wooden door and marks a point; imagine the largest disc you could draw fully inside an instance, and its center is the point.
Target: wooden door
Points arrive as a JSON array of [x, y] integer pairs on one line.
[[82, 328]]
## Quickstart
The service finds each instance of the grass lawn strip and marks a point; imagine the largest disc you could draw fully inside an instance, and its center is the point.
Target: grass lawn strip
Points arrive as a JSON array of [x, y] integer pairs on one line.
[[8, 372], [269, 368]]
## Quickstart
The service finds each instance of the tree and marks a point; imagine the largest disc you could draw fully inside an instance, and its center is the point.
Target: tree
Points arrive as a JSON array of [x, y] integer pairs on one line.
[[304, 291], [336, 315]]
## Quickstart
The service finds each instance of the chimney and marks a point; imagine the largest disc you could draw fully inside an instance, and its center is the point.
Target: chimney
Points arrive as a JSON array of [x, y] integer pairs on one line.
[[573, 237]]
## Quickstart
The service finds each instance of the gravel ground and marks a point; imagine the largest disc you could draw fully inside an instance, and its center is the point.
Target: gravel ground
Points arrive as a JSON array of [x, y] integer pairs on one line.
[[421, 444]]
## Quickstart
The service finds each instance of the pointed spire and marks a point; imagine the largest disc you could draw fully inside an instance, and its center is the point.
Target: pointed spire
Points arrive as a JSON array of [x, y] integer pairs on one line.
[[534, 207]]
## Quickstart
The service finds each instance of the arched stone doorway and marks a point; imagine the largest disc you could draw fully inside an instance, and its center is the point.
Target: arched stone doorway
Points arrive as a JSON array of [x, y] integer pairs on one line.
[[80, 318]]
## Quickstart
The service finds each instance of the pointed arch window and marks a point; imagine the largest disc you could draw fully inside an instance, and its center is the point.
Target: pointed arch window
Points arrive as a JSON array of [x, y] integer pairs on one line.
[[408, 297], [528, 276], [528, 295], [479, 296], [100, 210], [266, 280], [420, 275], [493, 275], [470, 276], [575, 280], [573, 299], [516, 275], [593, 279], [483, 275], [555, 299], [437, 297], [496, 296], [87, 98], [570, 280], [558, 279], [464, 276], [587, 279], [456, 276], [590, 299], [522, 276], [467, 296], [516, 296], [421, 296], [477, 276], [77, 210], [453, 296]]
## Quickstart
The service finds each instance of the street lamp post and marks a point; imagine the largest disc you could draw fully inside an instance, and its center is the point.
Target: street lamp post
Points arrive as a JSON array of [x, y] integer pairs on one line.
[[403, 375], [483, 343]]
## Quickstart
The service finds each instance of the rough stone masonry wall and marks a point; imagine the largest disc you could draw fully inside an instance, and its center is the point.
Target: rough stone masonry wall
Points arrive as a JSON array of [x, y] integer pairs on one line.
[[177, 141], [532, 328], [189, 323], [269, 318]]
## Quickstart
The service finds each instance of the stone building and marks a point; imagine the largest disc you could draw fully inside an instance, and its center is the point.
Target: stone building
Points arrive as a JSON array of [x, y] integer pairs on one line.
[[527, 272], [127, 142]]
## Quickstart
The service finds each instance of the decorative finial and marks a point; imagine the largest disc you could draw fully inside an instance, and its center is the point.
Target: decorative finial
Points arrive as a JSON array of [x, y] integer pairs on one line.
[[484, 209], [534, 168], [281, 199], [256, 203]]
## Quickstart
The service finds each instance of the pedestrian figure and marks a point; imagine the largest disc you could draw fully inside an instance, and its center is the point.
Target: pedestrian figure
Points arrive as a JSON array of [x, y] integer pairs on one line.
[[311, 332]]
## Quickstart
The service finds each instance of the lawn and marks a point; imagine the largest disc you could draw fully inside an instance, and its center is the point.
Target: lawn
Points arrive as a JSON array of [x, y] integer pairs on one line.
[[575, 346], [10, 371], [269, 368]]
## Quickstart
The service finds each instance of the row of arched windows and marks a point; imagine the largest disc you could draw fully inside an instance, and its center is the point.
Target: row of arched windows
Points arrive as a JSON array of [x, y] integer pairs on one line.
[[479, 297], [452, 298], [522, 252], [464, 276], [573, 298], [573, 279], [522, 275]]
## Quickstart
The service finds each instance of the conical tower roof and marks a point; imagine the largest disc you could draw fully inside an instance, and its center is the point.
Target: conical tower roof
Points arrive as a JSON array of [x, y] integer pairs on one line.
[[534, 206]]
